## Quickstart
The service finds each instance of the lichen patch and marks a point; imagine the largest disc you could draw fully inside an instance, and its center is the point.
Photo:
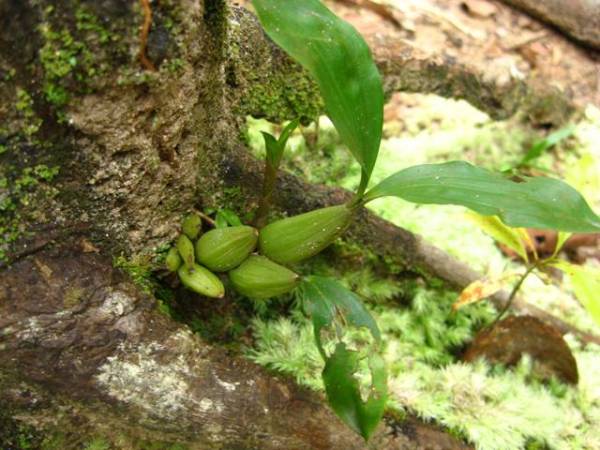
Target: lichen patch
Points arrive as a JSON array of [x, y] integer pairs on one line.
[[156, 386], [158, 376], [116, 304]]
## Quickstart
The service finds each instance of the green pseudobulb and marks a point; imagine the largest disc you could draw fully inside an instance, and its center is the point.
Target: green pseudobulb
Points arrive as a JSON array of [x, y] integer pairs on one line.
[[300, 237], [223, 249], [259, 277], [173, 260], [202, 281], [186, 250], [192, 226]]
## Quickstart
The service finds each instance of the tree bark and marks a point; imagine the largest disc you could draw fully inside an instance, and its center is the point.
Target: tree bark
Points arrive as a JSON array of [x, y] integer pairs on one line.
[[95, 347], [83, 351], [579, 19]]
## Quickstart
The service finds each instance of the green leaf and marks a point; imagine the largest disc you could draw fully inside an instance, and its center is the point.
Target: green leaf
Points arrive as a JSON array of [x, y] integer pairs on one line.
[[271, 146], [220, 220], [275, 147], [534, 203], [335, 54], [324, 299], [285, 135], [546, 144], [343, 390], [561, 239], [586, 286], [225, 218]]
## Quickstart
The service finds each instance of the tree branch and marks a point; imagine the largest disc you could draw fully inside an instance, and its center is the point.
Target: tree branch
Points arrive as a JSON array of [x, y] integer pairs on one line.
[[405, 68], [92, 341], [579, 19]]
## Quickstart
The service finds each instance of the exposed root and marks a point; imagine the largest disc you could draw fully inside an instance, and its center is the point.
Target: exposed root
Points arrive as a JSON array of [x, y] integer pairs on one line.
[[147, 9]]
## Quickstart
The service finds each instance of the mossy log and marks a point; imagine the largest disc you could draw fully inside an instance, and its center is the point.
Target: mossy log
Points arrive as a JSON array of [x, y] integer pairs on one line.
[[100, 158]]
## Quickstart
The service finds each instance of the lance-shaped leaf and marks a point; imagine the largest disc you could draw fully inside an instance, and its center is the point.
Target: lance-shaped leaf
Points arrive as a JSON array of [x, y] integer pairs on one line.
[[339, 59], [543, 145], [343, 390], [586, 286], [325, 299], [534, 203]]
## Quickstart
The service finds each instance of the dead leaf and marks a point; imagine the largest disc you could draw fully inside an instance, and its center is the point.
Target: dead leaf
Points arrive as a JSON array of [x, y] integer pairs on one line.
[[87, 246], [482, 289]]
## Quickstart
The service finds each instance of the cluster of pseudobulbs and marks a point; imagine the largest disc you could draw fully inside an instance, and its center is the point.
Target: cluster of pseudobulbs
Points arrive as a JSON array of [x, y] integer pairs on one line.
[[255, 261]]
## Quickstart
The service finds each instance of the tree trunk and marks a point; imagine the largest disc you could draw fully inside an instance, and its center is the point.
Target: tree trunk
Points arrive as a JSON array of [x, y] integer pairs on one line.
[[83, 351]]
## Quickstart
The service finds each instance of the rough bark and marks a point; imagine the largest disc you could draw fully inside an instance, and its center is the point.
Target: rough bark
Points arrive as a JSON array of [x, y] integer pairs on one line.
[[128, 371], [81, 348], [579, 19]]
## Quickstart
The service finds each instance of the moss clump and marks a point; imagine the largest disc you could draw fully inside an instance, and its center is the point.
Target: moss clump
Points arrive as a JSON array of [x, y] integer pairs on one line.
[[280, 92], [139, 269], [74, 52], [63, 59], [55, 441], [88, 22], [143, 271], [282, 97]]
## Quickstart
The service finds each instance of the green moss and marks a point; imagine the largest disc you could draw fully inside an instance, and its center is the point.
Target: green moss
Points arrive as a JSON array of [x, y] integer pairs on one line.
[[70, 56], [282, 97], [31, 121], [232, 197], [162, 446], [139, 269], [143, 271], [283, 93], [97, 444], [88, 22], [60, 56], [20, 190], [174, 65], [8, 75], [55, 441], [16, 435]]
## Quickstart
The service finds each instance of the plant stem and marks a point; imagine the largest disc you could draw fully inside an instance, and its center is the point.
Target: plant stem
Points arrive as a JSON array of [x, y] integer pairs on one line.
[[364, 182], [206, 218], [513, 294], [264, 205]]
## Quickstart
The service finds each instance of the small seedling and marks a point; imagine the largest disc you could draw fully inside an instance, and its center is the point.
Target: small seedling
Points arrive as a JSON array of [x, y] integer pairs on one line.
[[338, 58]]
